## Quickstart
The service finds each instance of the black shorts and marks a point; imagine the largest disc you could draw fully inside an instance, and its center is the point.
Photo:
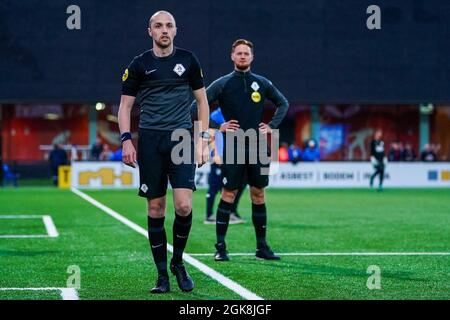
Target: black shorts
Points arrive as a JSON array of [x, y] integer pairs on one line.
[[234, 175], [156, 167]]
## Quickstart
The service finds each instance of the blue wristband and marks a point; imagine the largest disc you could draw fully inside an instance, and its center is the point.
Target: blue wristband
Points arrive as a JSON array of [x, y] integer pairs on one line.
[[125, 136]]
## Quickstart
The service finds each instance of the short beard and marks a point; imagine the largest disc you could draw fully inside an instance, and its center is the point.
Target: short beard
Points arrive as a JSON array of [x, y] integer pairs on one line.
[[162, 45], [242, 68]]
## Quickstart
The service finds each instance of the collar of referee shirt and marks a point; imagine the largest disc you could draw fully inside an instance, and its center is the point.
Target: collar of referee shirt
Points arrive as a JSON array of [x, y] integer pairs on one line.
[[166, 57], [242, 73]]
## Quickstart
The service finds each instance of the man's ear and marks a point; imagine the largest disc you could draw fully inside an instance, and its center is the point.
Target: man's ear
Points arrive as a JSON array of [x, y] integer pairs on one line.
[[175, 34], [149, 32]]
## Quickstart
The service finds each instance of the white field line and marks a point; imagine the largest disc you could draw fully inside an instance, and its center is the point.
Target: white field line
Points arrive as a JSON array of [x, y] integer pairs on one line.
[[230, 284], [66, 293], [48, 222], [50, 226], [69, 294], [13, 236], [336, 254], [20, 216]]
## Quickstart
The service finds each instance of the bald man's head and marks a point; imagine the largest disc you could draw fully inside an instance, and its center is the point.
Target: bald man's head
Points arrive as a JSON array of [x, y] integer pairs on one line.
[[162, 29], [152, 18]]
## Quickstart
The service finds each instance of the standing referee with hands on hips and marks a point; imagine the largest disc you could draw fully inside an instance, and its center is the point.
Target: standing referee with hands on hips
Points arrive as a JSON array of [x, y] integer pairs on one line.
[[241, 96], [164, 77]]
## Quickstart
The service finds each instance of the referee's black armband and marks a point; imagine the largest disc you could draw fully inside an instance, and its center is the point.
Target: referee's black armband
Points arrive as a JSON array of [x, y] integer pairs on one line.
[[125, 136]]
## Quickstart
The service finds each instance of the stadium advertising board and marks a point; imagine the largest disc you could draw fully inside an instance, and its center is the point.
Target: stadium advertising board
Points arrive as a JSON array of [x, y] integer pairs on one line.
[[302, 175], [353, 175], [109, 174]]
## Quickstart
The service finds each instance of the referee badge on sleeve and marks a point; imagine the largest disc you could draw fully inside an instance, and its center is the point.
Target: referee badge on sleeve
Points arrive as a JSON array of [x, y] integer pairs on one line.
[[125, 75]]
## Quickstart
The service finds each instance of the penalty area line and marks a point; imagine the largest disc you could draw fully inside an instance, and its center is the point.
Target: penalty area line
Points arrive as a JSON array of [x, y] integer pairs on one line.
[[230, 284], [335, 254], [66, 293]]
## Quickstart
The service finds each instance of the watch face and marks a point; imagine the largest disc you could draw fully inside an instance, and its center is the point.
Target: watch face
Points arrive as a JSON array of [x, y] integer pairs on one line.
[[205, 135]]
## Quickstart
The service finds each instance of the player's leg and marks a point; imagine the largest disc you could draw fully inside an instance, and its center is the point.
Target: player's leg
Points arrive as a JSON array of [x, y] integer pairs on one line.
[[153, 171], [222, 222], [182, 180], [235, 218], [258, 179], [231, 178], [182, 199], [214, 186], [380, 185], [158, 242], [55, 175], [374, 175]]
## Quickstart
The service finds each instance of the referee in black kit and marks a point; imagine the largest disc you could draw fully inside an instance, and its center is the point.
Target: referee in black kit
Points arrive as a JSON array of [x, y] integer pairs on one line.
[[378, 158], [164, 77], [241, 96]]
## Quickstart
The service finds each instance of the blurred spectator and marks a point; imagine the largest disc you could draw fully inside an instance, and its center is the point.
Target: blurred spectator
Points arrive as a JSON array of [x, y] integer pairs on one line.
[[408, 153], [9, 174], [436, 148], [73, 153], [428, 154], [378, 158], [395, 153], [96, 150], [283, 154], [1, 171], [106, 153], [311, 152], [58, 157], [294, 153], [116, 155]]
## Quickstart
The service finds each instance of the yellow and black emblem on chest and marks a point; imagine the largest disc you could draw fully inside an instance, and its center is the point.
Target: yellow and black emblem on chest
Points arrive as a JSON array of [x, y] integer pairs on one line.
[[256, 96]]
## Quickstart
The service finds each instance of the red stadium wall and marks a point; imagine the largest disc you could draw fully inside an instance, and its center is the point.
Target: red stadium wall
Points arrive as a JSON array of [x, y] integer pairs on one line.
[[24, 129], [399, 124], [440, 131]]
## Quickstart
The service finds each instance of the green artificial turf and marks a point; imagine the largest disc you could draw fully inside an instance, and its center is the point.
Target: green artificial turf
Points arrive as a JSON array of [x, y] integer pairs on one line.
[[115, 261]]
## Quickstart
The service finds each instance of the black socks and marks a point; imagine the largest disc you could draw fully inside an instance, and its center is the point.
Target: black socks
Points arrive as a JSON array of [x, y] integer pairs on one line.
[[158, 243], [259, 218], [223, 219], [181, 229]]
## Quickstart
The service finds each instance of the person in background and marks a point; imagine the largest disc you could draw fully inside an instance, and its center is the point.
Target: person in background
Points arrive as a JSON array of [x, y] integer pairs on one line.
[[106, 153], [311, 152], [395, 153], [73, 153], [57, 157], [408, 153], [9, 175], [436, 148], [428, 154], [378, 158], [241, 95], [1, 171], [283, 153], [96, 150], [214, 177], [294, 153], [116, 155]]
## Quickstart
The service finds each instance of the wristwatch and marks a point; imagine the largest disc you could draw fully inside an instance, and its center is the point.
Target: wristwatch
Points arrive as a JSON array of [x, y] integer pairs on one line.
[[205, 135]]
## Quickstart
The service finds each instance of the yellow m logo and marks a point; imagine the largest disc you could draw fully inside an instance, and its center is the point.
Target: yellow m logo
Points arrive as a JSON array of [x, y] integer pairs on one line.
[[106, 175]]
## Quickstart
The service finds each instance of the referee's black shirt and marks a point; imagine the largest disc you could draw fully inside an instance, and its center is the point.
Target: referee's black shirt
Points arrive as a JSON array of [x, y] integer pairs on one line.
[[164, 86]]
